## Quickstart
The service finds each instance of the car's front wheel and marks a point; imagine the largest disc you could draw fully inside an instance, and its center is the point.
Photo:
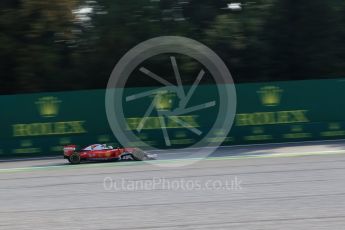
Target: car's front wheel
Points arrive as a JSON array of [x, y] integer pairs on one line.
[[139, 155], [74, 158]]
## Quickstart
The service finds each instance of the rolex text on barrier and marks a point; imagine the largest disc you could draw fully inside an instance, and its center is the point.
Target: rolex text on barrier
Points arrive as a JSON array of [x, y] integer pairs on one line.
[[40, 124]]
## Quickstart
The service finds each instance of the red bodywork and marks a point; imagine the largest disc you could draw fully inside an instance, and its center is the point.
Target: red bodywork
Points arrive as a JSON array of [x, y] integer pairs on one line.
[[104, 154]]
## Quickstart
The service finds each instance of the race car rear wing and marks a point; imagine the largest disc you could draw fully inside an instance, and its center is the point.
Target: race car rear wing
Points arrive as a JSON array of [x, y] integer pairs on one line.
[[69, 149]]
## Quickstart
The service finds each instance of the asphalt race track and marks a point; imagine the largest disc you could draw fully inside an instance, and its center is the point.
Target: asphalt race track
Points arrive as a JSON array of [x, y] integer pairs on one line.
[[283, 186]]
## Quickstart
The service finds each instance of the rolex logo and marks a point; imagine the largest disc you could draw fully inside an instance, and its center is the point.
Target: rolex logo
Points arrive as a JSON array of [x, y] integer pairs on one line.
[[164, 100], [48, 106], [270, 95]]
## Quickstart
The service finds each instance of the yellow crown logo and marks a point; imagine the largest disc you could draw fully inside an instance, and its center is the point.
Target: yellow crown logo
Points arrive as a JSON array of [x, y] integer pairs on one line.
[[270, 95], [48, 106], [164, 100]]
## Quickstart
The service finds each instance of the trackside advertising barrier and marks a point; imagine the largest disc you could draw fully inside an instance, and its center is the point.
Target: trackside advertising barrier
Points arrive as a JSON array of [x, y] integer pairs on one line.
[[40, 124]]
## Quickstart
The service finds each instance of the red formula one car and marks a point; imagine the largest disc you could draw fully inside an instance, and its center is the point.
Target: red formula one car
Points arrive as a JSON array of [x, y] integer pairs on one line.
[[105, 153]]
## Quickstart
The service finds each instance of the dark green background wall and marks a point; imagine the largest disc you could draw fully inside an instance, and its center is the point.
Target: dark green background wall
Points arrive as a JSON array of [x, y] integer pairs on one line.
[[39, 124]]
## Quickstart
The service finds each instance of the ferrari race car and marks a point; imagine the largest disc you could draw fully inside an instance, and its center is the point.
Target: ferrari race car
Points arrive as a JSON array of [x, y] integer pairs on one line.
[[105, 153]]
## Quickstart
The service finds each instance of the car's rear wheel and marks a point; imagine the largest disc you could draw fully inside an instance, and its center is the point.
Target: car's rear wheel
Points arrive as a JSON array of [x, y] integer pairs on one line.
[[74, 158]]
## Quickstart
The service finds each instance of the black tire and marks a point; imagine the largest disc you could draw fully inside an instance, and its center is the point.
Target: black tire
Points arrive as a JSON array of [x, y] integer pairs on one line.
[[139, 155], [74, 159], [127, 157]]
